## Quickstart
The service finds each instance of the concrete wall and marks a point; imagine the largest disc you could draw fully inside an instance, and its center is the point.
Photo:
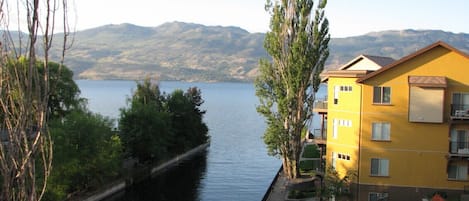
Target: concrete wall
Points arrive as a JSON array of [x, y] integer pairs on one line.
[[119, 186]]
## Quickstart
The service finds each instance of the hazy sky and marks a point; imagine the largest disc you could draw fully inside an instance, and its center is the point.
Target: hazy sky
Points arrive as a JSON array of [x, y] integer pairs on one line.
[[346, 17]]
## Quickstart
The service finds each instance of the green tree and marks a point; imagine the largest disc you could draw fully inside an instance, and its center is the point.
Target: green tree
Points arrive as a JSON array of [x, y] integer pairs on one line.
[[64, 94], [87, 153], [187, 120], [145, 127], [298, 43]]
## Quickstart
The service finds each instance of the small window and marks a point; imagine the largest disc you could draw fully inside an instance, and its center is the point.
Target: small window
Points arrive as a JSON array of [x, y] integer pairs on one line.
[[378, 196], [381, 131], [381, 95], [348, 157], [346, 88], [457, 171], [379, 167]]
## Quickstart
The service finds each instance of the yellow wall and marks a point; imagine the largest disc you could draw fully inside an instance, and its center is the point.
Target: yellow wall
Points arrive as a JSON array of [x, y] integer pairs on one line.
[[417, 151], [347, 109]]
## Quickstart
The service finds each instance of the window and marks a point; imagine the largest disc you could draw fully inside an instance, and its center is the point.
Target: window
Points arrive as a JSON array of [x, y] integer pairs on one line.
[[459, 141], [457, 171], [333, 161], [382, 95], [381, 131], [378, 196], [343, 156], [346, 88], [379, 167], [335, 128], [460, 104], [336, 95], [345, 123]]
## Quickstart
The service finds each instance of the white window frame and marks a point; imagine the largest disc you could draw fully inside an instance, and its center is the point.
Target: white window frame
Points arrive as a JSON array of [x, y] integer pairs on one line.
[[381, 95], [383, 167], [381, 131], [335, 128]]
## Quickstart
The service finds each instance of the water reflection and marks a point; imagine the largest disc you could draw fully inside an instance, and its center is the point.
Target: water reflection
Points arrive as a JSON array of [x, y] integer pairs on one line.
[[179, 183]]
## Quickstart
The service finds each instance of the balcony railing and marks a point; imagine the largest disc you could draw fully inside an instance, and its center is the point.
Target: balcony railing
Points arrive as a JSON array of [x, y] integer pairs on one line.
[[459, 147], [320, 105], [318, 135], [459, 111]]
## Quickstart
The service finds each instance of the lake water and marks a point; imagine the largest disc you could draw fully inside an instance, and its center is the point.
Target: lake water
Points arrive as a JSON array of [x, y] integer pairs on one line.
[[235, 167]]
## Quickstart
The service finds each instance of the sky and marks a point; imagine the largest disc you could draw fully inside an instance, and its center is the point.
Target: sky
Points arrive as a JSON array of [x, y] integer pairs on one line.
[[346, 17]]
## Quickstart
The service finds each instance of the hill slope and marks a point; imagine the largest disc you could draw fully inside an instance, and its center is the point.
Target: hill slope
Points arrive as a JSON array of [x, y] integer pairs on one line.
[[193, 52], [172, 51]]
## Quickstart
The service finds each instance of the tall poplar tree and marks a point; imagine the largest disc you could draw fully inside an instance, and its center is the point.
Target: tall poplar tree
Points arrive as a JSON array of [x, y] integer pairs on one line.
[[286, 86]]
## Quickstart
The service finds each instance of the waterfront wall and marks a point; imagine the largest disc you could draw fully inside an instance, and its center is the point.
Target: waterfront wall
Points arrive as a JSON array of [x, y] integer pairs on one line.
[[272, 184], [127, 182]]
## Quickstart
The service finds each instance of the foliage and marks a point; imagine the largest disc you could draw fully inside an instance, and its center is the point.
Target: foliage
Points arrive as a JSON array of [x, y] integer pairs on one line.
[[335, 185], [145, 132], [187, 120], [63, 91], [311, 151], [87, 153], [156, 126], [308, 165], [298, 43]]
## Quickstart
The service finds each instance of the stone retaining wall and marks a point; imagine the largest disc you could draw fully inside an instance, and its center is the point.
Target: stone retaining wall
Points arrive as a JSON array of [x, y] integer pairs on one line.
[[119, 186]]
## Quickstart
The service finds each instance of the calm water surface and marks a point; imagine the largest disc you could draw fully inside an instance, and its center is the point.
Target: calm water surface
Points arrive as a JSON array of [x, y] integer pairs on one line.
[[235, 167]]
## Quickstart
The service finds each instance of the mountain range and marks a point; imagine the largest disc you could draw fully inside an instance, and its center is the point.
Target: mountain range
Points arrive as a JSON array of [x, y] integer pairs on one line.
[[194, 52]]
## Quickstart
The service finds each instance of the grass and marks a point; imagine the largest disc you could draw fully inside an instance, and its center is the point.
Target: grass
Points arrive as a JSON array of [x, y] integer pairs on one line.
[[311, 151]]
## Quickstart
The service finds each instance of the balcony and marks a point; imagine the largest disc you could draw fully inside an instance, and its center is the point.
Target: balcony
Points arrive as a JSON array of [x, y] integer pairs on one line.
[[459, 112], [320, 106], [318, 137], [459, 148]]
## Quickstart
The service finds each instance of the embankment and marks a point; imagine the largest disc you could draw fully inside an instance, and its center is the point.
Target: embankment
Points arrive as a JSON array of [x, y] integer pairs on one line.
[[141, 175]]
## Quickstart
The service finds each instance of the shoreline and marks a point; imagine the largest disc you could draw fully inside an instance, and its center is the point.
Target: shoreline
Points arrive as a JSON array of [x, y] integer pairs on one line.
[[129, 180]]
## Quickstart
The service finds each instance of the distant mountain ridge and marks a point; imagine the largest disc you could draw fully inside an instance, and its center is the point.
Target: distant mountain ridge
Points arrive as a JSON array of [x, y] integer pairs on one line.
[[194, 52]]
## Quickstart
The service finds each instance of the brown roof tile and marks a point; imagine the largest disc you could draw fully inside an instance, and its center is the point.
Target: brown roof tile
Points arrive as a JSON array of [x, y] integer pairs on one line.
[[427, 81], [382, 61]]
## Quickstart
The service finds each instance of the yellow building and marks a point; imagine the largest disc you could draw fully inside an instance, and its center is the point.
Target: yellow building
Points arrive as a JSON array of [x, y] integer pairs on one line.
[[402, 126]]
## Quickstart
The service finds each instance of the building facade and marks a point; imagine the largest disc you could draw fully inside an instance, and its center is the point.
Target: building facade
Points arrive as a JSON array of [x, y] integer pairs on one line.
[[402, 127]]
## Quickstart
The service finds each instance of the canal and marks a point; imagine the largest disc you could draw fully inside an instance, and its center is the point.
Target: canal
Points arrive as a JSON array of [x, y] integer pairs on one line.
[[236, 165]]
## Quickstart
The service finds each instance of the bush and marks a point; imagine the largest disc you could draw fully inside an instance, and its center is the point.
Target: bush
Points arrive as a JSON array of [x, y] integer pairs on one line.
[[311, 151], [87, 154]]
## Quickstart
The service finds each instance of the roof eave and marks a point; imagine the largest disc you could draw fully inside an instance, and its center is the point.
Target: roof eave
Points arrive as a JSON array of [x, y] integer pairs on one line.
[[409, 57]]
